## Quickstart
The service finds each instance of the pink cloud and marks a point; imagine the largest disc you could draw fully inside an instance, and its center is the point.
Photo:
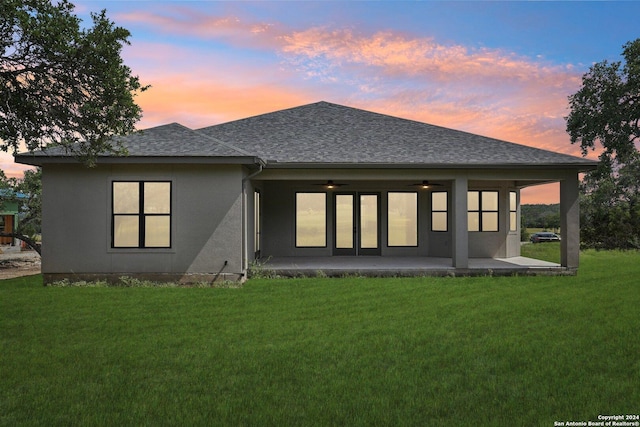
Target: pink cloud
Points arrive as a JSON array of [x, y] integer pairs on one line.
[[399, 54], [186, 21]]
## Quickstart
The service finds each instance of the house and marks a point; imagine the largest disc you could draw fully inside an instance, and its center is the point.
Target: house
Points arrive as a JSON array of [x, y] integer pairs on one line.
[[317, 185], [9, 214]]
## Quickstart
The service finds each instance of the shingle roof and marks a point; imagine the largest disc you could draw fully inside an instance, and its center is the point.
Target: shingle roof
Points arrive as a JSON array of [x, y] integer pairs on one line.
[[177, 140], [171, 140], [328, 133]]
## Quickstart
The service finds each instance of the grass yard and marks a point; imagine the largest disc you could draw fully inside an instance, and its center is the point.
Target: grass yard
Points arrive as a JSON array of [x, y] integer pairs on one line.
[[504, 351], [547, 251]]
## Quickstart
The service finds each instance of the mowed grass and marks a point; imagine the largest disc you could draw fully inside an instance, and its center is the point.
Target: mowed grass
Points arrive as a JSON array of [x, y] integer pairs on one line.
[[353, 351], [547, 251]]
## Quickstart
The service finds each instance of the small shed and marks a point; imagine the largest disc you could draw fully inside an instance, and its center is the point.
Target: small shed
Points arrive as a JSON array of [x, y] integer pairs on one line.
[[9, 214]]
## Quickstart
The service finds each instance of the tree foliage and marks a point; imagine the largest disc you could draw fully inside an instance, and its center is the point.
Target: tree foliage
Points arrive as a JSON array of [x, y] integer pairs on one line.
[[63, 84], [541, 216], [606, 110], [605, 115], [610, 209]]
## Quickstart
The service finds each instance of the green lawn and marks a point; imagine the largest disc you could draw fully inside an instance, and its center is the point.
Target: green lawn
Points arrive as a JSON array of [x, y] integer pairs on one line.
[[504, 351], [547, 251]]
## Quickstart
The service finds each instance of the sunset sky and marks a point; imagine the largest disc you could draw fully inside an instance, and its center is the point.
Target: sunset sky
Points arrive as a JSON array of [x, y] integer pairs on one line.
[[500, 69]]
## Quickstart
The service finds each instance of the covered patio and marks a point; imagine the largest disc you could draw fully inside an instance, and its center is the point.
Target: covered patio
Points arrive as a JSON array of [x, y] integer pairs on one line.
[[377, 266]]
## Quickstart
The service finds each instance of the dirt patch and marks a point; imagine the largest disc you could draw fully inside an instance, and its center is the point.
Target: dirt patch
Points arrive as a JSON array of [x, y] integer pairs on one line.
[[16, 263]]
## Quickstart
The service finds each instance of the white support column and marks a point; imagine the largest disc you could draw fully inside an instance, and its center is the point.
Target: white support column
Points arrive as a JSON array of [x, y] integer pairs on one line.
[[570, 221], [460, 233]]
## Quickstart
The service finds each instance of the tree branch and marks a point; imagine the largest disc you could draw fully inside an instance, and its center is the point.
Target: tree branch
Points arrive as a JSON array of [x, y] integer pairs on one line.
[[30, 242]]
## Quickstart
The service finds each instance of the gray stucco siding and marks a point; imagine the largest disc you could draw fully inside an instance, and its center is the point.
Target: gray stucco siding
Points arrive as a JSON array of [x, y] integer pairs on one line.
[[206, 221], [496, 244]]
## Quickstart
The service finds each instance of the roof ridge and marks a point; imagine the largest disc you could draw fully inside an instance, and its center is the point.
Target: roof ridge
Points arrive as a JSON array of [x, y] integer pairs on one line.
[[224, 144], [274, 112], [201, 134]]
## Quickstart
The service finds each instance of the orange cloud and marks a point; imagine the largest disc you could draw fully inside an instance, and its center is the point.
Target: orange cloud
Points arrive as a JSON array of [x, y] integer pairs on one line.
[[184, 21], [399, 54]]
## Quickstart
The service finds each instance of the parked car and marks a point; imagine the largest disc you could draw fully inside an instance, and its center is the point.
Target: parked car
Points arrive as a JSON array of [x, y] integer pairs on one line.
[[544, 236]]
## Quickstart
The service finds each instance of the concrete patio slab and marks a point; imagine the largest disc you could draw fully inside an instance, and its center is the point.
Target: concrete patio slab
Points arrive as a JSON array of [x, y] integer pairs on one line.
[[377, 266]]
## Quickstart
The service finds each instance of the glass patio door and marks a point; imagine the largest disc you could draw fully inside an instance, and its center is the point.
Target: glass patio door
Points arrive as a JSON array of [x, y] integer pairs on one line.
[[356, 224]]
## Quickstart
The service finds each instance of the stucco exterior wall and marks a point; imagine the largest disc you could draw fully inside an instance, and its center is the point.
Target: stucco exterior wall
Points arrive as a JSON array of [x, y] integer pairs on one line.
[[502, 243], [206, 229]]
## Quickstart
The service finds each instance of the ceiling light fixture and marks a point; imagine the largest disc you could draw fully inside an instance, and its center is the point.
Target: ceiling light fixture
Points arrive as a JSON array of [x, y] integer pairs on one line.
[[426, 185], [331, 185]]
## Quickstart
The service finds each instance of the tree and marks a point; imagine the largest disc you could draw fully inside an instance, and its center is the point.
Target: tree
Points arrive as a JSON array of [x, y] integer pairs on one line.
[[26, 193], [605, 114], [61, 84], [606, 110], [610, 209]]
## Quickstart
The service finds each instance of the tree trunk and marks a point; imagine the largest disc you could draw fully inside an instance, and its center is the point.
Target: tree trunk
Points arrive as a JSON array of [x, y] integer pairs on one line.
[[30, 242]]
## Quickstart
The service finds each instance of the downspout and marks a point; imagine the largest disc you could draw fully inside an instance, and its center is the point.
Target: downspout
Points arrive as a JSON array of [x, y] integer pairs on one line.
[[245, 214]]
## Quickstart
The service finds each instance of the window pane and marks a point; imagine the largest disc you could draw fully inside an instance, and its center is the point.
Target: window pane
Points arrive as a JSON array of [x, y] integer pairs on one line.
[[438, 221], [368, 221], [125, 231], [439, 201], [126, 197], [489, 221], [403, 219], [474, 221], [489, 200], [513, 201], [513, 221], [311, 219], [344, 221], [157, 231], [157, 197], [473, 200]]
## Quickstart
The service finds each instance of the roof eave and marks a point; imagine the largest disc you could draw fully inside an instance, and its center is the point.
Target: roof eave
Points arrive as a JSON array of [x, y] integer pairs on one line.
[[580, 167], [40, 160]]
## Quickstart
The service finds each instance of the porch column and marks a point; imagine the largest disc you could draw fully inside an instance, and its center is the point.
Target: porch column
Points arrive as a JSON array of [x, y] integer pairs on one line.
[[460, 233], [570, 221]]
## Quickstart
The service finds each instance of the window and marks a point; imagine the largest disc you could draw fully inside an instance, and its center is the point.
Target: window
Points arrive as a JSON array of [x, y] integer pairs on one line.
[[439, 215], [403, 219], [513, 211], [482, 210], [311, 220], [141, 214]]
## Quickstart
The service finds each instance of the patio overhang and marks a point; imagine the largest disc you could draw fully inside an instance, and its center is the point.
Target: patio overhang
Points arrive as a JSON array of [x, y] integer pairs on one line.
[[491, 251]]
